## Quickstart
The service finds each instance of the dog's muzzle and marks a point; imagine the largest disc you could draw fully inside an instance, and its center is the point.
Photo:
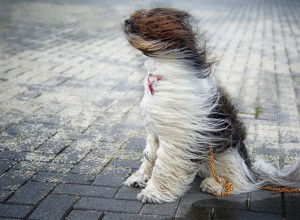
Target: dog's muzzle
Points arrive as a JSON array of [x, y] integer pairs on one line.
[[127, 22]]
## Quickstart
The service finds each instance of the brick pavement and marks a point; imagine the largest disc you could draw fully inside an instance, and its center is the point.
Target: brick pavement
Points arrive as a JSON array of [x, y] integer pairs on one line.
[[70, 125]]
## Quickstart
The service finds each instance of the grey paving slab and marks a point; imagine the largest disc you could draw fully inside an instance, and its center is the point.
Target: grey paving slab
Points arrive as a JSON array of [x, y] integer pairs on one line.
[[13, 179], [205, 202], [31, 193], [102, 204], [292, 197], [63, 178], [14, 211], [44, 166], [126, 192], [239, 214], [266, 201], [91, 165], [5, 165], [4, 195], [292, 211], [168, 209], [134, 164], [53, 207], [120, 216], [136, 144], [111, 178], [83, 214], [85, 190]]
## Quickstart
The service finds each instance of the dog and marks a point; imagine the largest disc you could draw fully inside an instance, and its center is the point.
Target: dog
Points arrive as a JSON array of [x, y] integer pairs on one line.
[[186, 112]]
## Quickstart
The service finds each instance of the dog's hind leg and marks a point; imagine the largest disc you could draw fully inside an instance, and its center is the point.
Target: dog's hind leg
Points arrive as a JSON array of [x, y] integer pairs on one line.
[[229, 166], [143, 174]]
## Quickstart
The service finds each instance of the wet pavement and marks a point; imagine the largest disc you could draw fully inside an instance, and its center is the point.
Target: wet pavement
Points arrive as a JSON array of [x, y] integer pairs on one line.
[[70, 124]]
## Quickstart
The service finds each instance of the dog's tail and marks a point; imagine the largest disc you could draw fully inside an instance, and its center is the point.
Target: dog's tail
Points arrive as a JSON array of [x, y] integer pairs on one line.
[[231, 166], [267, 174]]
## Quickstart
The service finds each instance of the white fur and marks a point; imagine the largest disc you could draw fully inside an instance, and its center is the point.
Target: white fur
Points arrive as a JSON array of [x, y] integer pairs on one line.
[[176, 119]]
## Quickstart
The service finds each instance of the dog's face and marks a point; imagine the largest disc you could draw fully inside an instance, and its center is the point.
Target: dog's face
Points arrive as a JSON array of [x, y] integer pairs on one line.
[[160, 30]]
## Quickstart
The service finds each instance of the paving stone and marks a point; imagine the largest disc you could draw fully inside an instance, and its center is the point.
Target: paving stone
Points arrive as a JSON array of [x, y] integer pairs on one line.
[[7, 154], [129, 155], [13, 179], [8, 218], [80, 215], [266, 201], [91, 166], [6, 165], [58, 204], [44, 166], [55, 144], [196, 212], [168, 209], [292, 197], [292, 211], [203, 201], [101, 204], [4, 194], [31, 193], [120, 216], [64, 178], [14, 211], [129, 193], [112, 178], [71, 155], [85, 190], [20, 155], [135, 164], [206, 200], [136, 144], [221, 213]]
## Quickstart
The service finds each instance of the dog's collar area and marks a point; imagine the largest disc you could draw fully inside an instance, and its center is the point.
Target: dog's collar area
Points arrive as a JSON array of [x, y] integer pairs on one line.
[[152, 79]]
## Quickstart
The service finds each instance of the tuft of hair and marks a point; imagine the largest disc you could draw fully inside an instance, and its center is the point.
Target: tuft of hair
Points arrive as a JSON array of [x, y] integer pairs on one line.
[[168, 33]]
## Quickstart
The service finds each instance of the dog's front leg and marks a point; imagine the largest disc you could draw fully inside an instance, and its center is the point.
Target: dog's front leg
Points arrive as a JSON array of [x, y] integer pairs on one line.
[[143, 174], [171, 175]]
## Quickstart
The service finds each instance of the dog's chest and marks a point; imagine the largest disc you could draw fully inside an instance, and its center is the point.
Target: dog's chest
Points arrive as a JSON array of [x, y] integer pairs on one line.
[[147, 98]]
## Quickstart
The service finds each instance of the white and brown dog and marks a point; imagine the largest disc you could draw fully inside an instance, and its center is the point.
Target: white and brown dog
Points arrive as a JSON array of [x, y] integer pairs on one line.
[[185, 112]]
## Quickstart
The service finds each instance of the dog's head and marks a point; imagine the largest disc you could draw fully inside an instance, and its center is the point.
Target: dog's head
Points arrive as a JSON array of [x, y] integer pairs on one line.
[[166, 32], [160, 30]]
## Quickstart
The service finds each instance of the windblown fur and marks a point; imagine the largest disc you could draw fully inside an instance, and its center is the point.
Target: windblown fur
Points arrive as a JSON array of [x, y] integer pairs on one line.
[[185, 113]]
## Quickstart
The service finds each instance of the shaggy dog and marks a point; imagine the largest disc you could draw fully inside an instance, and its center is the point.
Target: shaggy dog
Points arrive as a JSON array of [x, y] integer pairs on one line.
[[185, 113]]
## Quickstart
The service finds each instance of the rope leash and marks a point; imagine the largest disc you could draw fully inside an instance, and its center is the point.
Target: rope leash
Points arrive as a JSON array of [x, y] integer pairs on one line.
[[228, 187], [280, 189]]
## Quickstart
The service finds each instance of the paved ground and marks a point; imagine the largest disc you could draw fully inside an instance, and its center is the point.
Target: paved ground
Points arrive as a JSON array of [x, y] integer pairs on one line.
[[70, 125]]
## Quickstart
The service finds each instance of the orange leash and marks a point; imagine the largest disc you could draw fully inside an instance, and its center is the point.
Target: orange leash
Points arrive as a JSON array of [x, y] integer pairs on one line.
[[281, 189], [228, 187]]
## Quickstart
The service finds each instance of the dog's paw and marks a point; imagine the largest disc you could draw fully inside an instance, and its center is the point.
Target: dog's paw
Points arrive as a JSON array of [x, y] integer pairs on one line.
[[210, 185], [136, 180], [147, 196]]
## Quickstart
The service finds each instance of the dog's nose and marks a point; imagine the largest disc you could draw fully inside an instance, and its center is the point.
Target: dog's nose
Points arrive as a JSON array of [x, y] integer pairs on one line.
[[127, 22]]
